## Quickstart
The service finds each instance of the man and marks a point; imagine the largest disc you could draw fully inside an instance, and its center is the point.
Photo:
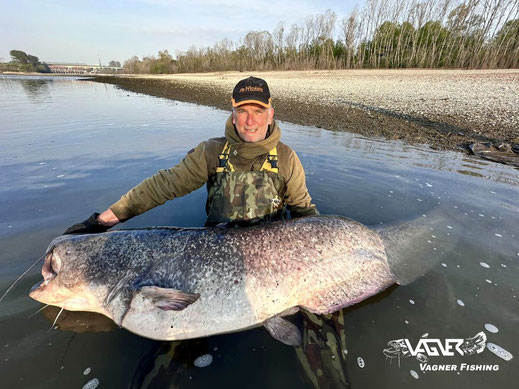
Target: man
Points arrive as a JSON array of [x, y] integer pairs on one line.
[[251, 176]]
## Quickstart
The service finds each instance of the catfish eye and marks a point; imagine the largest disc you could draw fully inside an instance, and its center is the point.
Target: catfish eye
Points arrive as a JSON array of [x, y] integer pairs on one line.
[[51, 267], [55, 264]]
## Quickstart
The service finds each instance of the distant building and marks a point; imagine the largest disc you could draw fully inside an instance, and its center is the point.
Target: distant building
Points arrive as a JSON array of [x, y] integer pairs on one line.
[[81, 68]]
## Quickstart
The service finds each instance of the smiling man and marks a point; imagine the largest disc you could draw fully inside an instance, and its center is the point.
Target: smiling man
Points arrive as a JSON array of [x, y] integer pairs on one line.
[[251, 176]]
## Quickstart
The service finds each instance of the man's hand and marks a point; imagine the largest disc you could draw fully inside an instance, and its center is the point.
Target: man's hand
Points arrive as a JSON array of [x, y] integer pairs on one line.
[[89, 226]]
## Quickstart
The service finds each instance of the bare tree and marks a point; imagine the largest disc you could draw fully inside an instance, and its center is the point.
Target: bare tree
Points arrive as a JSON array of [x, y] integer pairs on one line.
[[384, 33]]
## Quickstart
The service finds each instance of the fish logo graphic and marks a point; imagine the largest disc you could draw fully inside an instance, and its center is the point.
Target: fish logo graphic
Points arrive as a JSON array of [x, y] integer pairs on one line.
[[402, 348]]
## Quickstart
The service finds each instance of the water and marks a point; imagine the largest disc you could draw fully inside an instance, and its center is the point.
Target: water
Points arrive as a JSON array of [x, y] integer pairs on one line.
[[69, 147]]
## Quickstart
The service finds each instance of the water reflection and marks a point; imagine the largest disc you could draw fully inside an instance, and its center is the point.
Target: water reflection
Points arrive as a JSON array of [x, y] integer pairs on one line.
[[78, 322], [470, 173], [36, 90], [385, 152]]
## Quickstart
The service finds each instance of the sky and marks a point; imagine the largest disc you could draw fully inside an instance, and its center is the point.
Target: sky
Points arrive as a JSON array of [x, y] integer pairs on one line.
[[90, 30]]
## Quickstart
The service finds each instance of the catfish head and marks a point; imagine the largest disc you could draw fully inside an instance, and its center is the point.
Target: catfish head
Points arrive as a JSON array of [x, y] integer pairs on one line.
[[65, 281], [103, 273]]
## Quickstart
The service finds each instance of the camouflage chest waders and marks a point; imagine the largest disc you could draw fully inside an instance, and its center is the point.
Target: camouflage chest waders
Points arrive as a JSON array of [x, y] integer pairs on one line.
[[245, 196]]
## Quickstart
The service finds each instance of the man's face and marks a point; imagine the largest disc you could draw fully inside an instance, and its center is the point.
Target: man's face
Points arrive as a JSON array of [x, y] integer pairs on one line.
[[252, 121]]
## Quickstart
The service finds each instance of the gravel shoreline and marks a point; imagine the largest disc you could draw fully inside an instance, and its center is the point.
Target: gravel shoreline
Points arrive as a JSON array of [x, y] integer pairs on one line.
[[446, 109]]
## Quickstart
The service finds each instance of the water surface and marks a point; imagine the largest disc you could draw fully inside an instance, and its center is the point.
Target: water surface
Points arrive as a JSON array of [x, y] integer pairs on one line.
[[69, 148]]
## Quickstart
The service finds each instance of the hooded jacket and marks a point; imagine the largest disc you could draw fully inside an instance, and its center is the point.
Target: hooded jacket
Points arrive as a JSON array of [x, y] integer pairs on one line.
[[201, 162]]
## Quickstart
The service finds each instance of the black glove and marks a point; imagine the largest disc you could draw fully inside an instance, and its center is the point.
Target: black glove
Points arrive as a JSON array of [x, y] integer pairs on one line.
[[89, 226]]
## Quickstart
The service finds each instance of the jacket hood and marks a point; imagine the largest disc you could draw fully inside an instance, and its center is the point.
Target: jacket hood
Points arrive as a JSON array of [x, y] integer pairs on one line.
[[249, 151]]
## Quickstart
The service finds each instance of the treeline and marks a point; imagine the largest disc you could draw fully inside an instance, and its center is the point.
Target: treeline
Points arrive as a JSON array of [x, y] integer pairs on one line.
[[23, 62], [383, 34]]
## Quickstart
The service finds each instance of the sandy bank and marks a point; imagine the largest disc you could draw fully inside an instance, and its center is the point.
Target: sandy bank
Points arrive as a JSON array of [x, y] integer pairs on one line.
[[442, 108]]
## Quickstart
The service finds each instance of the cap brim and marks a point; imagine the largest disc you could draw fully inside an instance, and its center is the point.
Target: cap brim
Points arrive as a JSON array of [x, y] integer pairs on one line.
[[237, 104]]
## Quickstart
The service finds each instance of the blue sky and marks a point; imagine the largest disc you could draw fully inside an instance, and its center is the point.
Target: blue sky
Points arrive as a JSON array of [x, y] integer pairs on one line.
[[80, 31]]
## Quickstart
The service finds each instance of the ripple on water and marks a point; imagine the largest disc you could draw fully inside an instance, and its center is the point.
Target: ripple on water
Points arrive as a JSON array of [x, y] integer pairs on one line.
[[203, 360], [491, 328], [500, 351], [92, 384]]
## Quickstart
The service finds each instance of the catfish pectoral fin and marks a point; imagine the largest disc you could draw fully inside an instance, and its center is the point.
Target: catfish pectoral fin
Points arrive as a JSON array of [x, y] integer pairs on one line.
[[284, 331], [168, 299]]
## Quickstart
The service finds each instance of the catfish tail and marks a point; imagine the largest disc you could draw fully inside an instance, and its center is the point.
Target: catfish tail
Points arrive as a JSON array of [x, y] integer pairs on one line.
[[416, 246]]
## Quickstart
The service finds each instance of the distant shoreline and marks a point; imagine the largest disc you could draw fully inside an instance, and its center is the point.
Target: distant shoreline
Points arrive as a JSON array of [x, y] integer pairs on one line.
[[42, 74], [445, 109]]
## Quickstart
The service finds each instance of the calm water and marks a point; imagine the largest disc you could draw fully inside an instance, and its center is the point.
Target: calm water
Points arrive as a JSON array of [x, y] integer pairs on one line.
[[69, 147]]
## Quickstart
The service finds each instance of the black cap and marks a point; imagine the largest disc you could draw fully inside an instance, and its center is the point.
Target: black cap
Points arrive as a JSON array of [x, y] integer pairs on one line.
[[251, 90]]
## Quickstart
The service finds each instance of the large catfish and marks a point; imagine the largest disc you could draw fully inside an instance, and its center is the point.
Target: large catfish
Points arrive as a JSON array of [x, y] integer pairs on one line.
[[171, 283]]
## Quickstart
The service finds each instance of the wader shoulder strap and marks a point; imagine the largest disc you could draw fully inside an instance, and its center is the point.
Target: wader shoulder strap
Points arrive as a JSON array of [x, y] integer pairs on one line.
[[271, 163], [223, 160]]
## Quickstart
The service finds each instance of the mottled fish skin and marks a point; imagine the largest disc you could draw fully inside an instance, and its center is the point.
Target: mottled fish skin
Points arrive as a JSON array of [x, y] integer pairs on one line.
[[243, 276]]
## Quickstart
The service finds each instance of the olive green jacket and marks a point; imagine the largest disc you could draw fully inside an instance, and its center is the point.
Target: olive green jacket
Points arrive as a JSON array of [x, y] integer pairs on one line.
[[201, 163]]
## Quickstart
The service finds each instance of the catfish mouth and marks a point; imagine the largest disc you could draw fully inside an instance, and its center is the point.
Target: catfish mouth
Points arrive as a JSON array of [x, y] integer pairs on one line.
[[49, 271]]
